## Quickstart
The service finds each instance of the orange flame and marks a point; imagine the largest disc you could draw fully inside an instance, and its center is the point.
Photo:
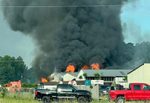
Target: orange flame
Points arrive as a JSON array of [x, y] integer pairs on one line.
[[44, 80], [70, 68], [85, 67], [95, 66]]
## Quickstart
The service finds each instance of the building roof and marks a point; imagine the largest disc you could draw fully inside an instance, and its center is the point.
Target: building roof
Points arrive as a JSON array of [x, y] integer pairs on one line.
[[61, 74], [138, 67], [108, 72]]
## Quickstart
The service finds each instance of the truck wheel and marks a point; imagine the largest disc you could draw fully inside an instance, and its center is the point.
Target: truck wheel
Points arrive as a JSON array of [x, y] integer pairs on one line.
[[45, 99], [120, 99], [82, 100]]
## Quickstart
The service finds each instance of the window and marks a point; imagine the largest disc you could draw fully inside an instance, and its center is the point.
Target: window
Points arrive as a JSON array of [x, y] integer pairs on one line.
[[107, 78], [62, 86], [65, 88], [112, 88], [137, 87], [146, 87], [69, 87]]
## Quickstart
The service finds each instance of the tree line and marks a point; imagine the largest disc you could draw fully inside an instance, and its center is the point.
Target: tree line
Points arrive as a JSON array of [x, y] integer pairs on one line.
[[13, 69]]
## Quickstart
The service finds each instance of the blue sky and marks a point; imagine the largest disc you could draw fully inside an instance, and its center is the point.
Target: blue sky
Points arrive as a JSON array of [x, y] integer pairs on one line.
[[135, 19], [15, 43]]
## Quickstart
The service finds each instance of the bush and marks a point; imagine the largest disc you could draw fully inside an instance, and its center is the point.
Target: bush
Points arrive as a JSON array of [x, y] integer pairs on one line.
[[26, 85], [3, 92]]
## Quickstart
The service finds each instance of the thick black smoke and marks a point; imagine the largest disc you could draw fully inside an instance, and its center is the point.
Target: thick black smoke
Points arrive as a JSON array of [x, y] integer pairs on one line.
[[70, 31]]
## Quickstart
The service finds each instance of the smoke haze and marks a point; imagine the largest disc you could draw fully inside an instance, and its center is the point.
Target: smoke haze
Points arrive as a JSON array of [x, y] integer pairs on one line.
[[79, 32]]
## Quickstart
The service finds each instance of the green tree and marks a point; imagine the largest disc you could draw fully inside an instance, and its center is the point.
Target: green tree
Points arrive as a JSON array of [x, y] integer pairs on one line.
[[97, 76], [80, 77], [11, 69], [85, 75], [125, 78], [30, 76]]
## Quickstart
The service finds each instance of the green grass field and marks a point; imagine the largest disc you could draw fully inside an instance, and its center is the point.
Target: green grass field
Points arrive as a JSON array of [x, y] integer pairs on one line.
[[13, 100], [18, 98], [28, 98]]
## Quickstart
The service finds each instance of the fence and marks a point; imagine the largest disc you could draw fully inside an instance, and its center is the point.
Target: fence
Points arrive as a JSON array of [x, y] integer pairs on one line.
[[94, 89]]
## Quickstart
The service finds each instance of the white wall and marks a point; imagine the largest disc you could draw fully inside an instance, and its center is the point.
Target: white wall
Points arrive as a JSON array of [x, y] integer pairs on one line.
[[80, 74], [68, 77], [141, 74], [119, 80]]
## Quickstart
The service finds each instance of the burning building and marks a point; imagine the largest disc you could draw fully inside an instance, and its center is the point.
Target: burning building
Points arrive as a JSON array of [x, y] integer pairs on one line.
[[66, 32]]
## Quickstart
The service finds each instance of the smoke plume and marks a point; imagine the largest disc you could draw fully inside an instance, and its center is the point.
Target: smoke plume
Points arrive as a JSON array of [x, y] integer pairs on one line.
[[66, 32]]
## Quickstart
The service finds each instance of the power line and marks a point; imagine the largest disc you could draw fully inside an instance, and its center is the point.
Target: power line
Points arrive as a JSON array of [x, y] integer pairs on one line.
[[58, 6]]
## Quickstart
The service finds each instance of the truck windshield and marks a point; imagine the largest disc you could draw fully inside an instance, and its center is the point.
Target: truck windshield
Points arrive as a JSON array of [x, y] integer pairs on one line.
[[67, 87], [74, 87]]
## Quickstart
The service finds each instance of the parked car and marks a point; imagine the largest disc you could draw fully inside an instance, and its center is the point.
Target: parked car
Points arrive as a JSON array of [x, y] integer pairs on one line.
[[103, 89], [136, 91], [63, 91]]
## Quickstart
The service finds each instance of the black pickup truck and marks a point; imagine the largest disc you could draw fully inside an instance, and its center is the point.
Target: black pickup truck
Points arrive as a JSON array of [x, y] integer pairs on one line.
[[63, 92]]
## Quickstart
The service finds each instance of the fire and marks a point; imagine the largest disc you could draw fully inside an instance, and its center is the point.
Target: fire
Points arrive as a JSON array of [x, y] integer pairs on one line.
[[44, 80], [70, 68], [85, 67], [95, 66]]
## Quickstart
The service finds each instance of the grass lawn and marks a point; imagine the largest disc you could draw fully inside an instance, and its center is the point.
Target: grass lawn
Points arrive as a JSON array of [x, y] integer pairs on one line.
[[14, 100], [18, 98], [28, 98]]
